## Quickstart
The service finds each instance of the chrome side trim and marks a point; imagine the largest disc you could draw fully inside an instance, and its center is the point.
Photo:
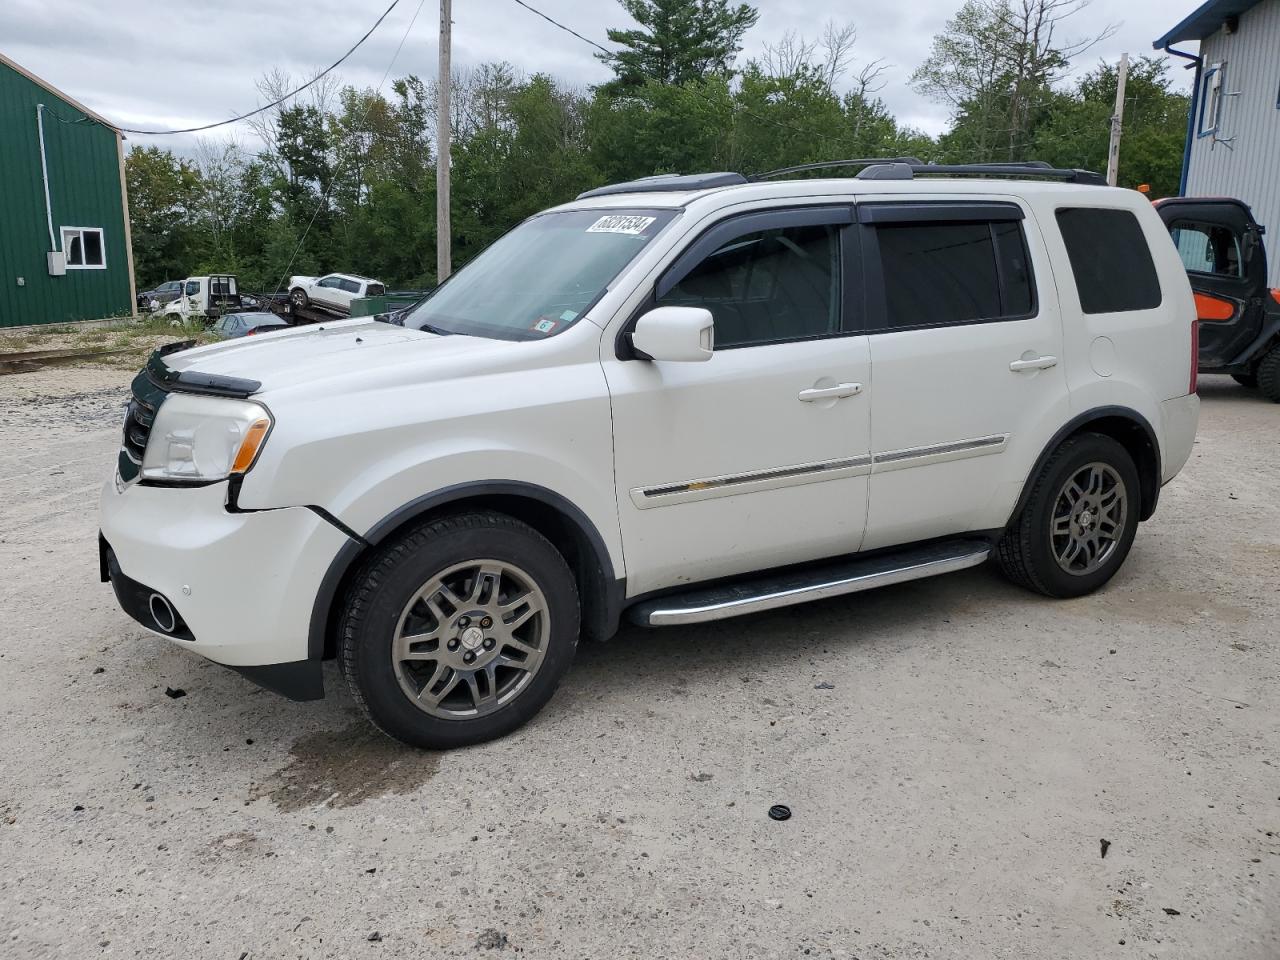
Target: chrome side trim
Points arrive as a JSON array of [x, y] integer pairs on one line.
[[729, 485], [664, 616], [938, 453]]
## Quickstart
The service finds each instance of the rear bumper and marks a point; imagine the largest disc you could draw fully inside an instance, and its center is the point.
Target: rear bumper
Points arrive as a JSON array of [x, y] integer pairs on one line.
[[241, 586], [1179, 418]]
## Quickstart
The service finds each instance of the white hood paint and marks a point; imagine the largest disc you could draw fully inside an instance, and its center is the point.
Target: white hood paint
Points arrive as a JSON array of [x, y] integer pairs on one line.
[[313, 356]]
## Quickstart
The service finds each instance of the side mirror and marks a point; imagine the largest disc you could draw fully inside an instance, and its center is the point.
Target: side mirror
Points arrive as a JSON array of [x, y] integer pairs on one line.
[[675, 333]]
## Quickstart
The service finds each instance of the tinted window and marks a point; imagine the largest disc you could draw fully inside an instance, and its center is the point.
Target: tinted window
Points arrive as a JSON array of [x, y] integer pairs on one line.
[[331, 282], [1109, 259], [767, 286], [349, 286], [948, 273], [1207, 249], [374, 290]]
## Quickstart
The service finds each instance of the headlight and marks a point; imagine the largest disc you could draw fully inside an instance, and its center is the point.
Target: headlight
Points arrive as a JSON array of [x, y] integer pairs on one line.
[[202, 439]]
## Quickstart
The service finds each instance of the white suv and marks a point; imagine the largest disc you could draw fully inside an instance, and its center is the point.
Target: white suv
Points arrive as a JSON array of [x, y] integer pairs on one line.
[[680, 399], [334, 291]]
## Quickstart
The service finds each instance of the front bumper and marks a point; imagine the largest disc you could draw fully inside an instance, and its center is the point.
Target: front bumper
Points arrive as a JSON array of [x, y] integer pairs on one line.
[[241, 586]]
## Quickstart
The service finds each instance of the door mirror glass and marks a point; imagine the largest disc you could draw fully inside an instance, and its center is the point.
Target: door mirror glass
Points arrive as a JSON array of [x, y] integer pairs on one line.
[[675, 334]]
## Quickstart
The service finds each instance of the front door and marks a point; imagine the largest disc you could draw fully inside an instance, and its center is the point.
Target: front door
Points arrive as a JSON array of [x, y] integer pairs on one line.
[[966, 362], [758, 457], [1221, 247], [328, 292]]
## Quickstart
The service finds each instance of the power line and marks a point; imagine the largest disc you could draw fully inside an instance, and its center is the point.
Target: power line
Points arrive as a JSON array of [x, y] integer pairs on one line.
[[263, 109], [324, 197], [556, 23]]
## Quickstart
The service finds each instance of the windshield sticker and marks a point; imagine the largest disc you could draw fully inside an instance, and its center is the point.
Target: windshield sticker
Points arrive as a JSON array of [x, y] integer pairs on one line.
[[618, 223], [568, 315], [545, 325]]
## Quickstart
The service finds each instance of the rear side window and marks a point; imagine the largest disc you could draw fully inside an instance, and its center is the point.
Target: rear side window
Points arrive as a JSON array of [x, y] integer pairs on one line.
[[1110, 260], [938, 274], [349, 286]]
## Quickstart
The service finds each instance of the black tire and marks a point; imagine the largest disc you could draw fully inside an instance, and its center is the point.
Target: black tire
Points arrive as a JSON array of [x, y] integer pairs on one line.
[[298, 298], [1249, 380], [1268, 375], [1026, 552], [392, 577]]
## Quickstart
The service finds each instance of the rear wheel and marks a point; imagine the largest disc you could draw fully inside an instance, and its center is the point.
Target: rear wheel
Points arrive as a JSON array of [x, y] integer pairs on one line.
[[1269, 375], [459, 631], [1079, 522], [1249, 380]]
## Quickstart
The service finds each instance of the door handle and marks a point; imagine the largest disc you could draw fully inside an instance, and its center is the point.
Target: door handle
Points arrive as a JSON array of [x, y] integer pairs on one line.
[[839, 391], [1035, 363]]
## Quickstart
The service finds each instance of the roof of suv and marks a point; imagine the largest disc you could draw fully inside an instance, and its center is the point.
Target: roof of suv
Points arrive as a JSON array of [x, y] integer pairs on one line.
[[830, 186], [877, 175]]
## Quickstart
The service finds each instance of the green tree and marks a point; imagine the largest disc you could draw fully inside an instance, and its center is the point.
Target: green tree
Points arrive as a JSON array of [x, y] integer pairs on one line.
[[678, 42], [163, 189], [1076, 130]]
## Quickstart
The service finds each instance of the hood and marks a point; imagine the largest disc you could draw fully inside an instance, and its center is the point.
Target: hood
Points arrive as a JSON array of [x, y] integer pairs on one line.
[[315, 356], [299, 281]]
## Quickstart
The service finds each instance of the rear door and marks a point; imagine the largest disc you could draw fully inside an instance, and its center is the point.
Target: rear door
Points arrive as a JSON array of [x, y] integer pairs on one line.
[[965, 363], [348, 290], [1221, 247]]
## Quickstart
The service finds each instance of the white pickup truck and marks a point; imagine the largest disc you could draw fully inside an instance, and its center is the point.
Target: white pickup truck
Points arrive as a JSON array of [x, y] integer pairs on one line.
[[675, 400]]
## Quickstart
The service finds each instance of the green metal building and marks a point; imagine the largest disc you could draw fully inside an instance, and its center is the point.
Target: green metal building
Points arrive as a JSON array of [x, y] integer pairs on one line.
[[65, 252]]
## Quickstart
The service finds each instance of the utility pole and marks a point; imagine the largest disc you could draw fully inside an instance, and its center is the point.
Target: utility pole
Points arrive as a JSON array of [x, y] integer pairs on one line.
[[443, 139], [1117, 123]]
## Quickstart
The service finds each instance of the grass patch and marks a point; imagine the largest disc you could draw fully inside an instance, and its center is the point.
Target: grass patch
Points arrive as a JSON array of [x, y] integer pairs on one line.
[[138, 335]]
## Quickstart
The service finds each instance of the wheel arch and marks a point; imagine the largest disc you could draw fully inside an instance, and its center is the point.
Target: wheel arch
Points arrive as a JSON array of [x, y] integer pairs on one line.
[[563, 523], [1128, 428]]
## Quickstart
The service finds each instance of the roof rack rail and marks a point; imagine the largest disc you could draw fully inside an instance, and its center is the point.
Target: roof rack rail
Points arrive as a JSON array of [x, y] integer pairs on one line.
[[824, 164], [664, 182], [898, 170]]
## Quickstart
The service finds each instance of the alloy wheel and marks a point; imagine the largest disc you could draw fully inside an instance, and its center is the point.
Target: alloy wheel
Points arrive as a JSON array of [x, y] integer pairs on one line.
[[471, 639], [1089, 516]]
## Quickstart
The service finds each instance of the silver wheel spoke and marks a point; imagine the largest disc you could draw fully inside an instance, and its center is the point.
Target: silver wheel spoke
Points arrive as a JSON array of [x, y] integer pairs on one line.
[[425, 696], [405, 643]]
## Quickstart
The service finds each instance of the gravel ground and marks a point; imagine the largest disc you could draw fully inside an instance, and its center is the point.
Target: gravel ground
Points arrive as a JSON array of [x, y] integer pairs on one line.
[[955, 752]]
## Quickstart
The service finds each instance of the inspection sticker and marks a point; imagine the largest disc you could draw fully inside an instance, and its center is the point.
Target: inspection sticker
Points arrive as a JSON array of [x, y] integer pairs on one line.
[[620, 223], [545, 325]]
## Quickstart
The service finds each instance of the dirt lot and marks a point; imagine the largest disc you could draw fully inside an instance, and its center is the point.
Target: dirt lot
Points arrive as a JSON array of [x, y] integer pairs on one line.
[[951, 789]]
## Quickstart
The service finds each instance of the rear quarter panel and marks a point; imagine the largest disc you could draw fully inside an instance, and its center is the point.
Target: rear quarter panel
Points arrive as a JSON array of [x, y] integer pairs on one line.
[[1134, 359]]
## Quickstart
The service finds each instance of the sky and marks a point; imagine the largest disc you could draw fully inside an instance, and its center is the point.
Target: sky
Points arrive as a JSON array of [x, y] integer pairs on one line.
[[163, 64]]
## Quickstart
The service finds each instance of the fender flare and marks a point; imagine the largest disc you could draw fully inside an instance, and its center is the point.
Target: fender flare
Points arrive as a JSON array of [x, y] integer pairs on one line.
[[355, 548], [1074, 425]]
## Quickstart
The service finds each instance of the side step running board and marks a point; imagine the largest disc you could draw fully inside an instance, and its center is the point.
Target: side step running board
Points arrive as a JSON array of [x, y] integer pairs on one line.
[[816, 583]]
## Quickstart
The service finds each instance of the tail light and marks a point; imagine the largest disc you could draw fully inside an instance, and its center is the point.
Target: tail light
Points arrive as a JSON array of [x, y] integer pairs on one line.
[[1195, 357], [252, 332], [1275, 295]]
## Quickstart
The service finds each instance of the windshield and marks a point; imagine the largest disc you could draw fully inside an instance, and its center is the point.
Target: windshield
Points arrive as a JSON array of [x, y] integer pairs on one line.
[[538, 280]]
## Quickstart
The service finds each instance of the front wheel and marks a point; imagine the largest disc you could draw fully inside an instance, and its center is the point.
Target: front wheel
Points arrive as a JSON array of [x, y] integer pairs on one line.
[[298, 298], [459, 631], [1079, 522]]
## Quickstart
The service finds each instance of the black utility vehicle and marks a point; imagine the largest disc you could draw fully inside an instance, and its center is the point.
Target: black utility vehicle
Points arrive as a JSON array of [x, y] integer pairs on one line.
[[1221, 246]]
